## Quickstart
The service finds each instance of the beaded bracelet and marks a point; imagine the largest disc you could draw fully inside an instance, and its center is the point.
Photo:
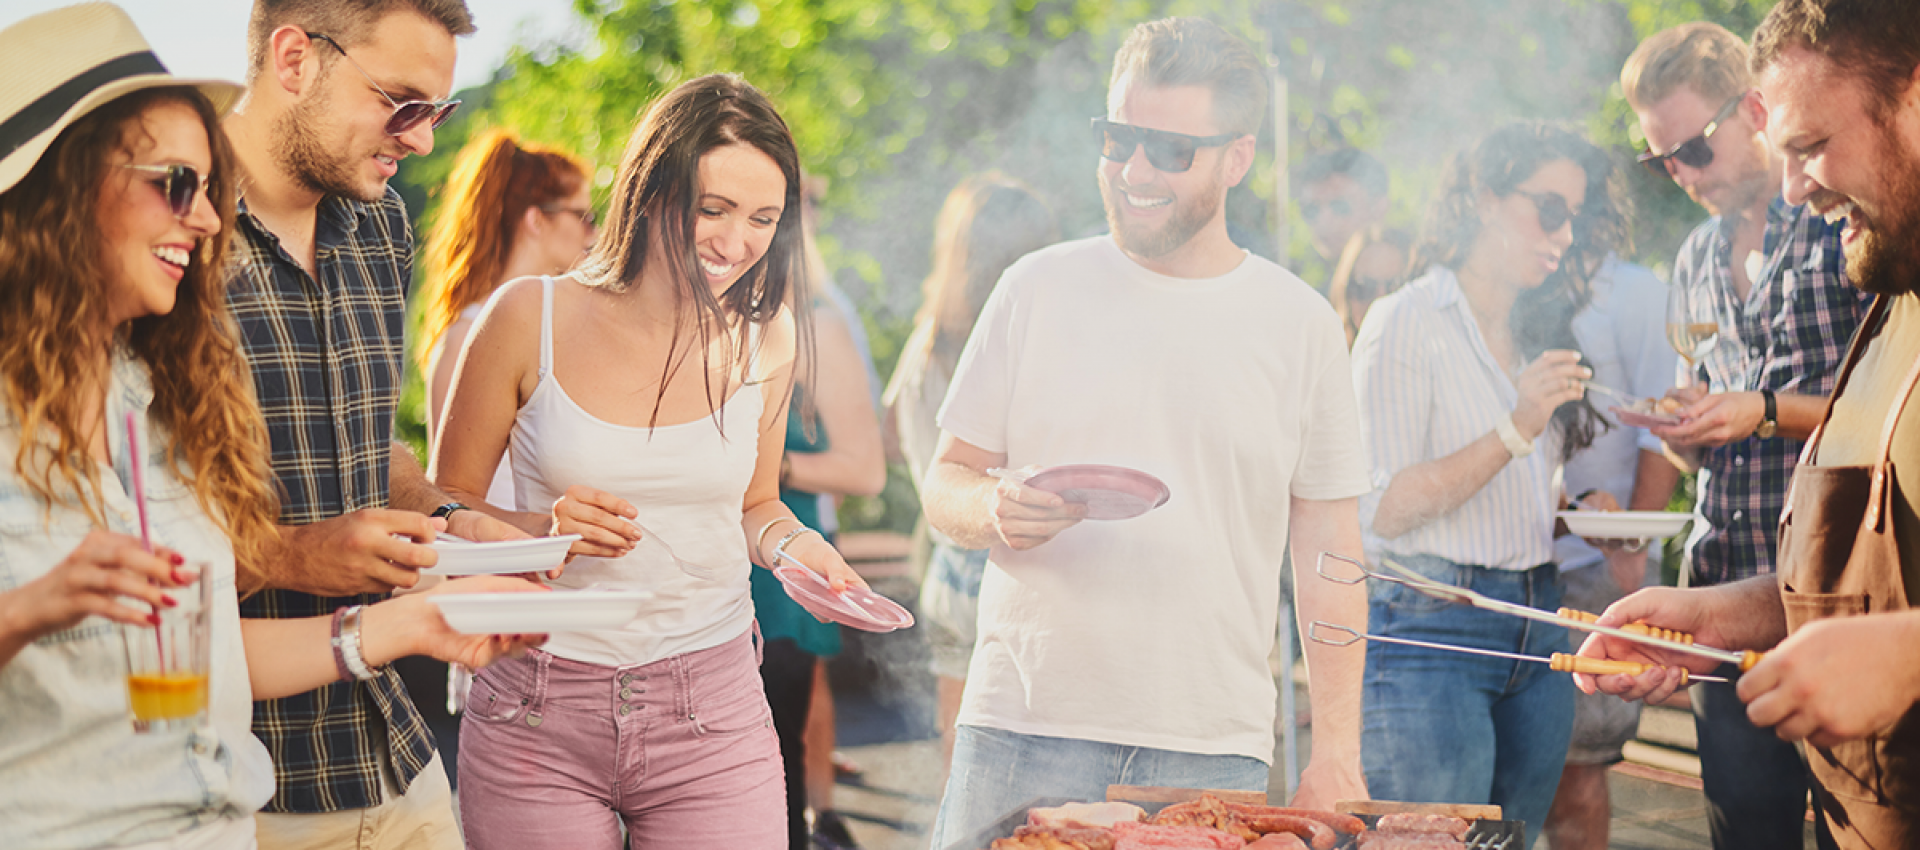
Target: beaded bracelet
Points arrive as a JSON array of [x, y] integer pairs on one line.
[[780, 548], [339, 653]]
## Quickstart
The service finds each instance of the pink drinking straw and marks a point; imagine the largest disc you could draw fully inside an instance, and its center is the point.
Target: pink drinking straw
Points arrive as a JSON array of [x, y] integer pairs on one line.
[[135, 461]]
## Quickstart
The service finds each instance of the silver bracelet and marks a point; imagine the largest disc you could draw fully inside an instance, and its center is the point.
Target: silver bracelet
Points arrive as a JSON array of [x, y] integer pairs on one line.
[[760, 540], [780, 548], [350, 646]]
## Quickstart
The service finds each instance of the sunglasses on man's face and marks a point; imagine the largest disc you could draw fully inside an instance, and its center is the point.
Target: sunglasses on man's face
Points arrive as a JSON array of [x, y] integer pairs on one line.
[[1168, 152], [1554, 210], [179, 184], [406, 116], [1693, 153]]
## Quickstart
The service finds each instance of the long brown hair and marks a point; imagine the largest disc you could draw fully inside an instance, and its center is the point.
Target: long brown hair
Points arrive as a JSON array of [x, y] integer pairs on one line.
[[55, 280], [495, 180], [659, 178], [988, 221], [1542, 317]]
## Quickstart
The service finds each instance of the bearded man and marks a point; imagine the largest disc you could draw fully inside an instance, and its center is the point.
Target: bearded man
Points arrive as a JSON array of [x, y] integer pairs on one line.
[[1840, 80], [339, 91], [1135, 652]]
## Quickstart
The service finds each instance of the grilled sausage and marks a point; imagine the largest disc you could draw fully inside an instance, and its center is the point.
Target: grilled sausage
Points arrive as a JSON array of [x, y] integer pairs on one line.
[[1317, 834], [1346, 824]]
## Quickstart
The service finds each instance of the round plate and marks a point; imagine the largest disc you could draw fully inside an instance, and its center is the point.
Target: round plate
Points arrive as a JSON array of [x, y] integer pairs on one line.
[[858, 607], [1625, 525], [1636, 419], [539, 613], [501, 557], [1109, 492]]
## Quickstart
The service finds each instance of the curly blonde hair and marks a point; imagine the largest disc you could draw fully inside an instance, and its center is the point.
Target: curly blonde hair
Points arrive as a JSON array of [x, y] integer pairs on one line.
[[55, 282]]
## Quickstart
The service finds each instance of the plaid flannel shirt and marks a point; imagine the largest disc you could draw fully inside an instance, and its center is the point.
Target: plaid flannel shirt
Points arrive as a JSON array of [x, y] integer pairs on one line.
[[326, 356], [1790, 337]]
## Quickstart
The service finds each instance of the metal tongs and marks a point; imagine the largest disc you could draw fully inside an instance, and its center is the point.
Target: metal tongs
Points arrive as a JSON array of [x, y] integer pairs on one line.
[[1561, 661], [1637, 633]]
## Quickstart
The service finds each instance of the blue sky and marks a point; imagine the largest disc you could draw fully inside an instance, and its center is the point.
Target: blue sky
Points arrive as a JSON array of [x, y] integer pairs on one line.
[[207, 38]]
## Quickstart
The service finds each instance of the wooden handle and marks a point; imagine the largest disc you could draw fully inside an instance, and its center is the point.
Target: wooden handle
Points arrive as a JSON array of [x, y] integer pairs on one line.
[[1750, 658], [1603, 666], [1636, 628]]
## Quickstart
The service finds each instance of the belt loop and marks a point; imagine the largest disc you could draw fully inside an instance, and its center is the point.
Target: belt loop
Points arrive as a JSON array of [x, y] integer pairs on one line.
[[541, 660]]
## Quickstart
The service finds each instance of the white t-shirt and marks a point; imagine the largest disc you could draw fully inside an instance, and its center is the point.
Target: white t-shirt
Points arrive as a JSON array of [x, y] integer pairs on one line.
[[1235, 391]]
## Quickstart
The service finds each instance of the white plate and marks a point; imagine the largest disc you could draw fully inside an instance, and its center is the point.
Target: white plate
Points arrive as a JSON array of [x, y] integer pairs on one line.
[[1625, 525], [540, 613], [466, 558]]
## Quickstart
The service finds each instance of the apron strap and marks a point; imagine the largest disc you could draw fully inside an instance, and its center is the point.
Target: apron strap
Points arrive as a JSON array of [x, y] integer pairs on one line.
[[1876, 513]]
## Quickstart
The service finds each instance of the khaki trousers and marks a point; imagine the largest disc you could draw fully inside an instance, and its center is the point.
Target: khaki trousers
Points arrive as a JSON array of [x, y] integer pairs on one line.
[[421, 819]]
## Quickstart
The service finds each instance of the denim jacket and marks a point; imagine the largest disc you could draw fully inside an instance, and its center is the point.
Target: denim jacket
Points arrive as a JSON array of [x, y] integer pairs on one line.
[[72, 771]]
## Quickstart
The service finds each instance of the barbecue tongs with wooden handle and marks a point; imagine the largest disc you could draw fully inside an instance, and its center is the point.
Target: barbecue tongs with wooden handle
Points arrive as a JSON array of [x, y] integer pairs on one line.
[[1637, 633], [1560, 661]]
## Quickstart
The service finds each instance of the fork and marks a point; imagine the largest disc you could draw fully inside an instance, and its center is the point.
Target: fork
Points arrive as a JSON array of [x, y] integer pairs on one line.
[[1627, 400]]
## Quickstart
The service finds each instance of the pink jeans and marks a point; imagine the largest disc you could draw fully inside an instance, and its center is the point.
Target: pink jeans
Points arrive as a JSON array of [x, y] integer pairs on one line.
[[554, 753]]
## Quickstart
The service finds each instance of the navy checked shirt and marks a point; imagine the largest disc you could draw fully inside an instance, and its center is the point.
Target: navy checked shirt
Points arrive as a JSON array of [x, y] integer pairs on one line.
[[326, 356], [1792, 334]]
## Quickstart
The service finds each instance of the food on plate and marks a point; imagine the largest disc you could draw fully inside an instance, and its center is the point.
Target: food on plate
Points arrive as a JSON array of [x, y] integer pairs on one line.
[[1149, 836], [1278, 841], [1085, 814], [1452, 827], [1207, 811]]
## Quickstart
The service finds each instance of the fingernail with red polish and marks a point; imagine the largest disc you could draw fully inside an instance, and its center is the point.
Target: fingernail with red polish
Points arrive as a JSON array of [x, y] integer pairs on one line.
[[177, 558], [153, 619]]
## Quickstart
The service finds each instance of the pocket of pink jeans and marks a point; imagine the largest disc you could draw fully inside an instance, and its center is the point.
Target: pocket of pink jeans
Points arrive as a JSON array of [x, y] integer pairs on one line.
[[732, 711], [489, 702]]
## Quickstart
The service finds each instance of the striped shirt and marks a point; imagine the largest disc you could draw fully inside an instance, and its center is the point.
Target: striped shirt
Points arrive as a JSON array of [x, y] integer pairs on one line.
[[1428, 387], [1792, 333], [326, 356]]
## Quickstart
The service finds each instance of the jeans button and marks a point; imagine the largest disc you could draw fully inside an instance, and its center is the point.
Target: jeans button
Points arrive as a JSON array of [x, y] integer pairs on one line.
[[625, 710], [626, 693], [626, 680]]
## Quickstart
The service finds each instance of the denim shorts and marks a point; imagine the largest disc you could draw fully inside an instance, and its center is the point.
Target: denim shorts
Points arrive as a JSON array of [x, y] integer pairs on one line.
[[1449, 727], [950, 606]]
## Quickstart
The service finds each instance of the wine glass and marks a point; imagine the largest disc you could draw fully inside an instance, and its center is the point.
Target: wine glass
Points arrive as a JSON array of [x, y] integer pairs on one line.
[[1693, 325]]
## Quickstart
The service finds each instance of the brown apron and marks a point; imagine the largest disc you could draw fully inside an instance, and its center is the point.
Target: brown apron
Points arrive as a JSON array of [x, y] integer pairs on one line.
[[1838, 558]]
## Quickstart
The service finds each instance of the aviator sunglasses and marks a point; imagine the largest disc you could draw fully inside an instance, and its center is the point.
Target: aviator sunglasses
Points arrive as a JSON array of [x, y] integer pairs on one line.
[[179, 184], [1694, 152], [406, 116], [1554, 210], [1169, 152]]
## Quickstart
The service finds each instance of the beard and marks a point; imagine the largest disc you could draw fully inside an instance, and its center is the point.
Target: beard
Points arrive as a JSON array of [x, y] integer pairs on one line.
[[1884, 256], [302, 154], [1188, 217]]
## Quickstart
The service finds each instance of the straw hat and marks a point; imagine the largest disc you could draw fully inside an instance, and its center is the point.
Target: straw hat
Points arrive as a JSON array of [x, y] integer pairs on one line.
[[57, 66]]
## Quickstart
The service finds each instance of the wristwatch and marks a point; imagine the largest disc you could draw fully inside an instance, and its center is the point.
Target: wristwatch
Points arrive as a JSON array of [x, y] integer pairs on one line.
[[447, 510], [1770, 421]]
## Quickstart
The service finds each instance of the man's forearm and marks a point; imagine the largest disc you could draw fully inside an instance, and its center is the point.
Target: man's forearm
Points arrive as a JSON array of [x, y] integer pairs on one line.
[[1756, 617], [1799, 414], [957, 501], [408, 488], [1334, 673]]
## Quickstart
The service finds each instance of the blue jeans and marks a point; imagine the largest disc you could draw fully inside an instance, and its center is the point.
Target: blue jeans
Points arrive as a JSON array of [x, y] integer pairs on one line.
[[1756, 784], [996, 772], [1448, 727]]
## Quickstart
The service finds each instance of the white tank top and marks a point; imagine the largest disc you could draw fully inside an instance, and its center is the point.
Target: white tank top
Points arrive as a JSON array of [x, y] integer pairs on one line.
[[688, 482]]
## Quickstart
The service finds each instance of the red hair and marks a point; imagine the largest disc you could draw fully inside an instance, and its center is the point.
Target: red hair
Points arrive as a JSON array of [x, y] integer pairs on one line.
[[495, 180]]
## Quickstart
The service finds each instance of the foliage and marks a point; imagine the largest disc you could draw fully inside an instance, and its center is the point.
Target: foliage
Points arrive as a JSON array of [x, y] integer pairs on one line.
[[895, 102]]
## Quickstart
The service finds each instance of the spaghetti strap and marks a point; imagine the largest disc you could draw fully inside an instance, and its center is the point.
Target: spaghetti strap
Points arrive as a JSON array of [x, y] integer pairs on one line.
[[546, 326]]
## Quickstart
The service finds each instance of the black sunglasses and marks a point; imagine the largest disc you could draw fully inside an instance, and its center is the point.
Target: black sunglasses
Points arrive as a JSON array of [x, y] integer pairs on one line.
[[179, 184], [1694, 152], [1169, 152], [1554, 210], [406, 116]]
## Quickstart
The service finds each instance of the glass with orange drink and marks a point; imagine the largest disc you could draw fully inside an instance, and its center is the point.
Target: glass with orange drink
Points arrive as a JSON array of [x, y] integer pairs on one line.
[[167, 664]]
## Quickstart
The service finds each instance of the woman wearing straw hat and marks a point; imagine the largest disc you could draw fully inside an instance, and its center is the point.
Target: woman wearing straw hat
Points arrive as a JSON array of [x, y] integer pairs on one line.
[[116, 192]]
